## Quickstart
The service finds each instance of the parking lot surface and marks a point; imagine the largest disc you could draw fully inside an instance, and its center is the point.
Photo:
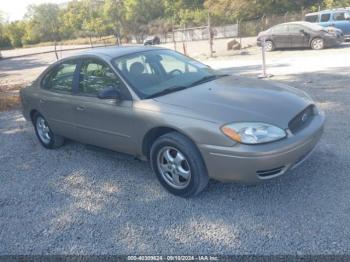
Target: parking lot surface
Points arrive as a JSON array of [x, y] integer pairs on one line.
[[84, 200]]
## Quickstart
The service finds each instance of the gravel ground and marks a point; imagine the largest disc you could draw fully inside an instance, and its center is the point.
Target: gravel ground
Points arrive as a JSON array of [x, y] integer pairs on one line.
[[83, 200]]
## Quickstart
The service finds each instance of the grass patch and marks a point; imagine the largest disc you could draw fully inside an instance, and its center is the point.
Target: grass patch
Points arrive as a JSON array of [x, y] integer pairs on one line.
[[8, 102]]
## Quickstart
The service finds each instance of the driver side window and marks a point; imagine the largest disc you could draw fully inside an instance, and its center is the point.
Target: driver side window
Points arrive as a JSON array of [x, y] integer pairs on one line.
[[95, 76]]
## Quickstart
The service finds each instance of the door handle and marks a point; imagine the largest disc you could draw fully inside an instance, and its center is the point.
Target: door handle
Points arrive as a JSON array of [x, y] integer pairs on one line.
[[80, 108]]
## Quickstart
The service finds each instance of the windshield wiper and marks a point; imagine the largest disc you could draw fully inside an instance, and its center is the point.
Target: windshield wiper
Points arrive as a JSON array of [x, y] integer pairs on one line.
[[207, 79], [167, 91]]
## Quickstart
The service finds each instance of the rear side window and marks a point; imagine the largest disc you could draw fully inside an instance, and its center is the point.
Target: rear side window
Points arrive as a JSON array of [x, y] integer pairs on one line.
[[60, 78], [280, 29], [325, 17], [311, 18]]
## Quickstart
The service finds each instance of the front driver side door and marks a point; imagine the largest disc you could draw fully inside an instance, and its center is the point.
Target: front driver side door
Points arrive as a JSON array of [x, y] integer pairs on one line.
[[300, 35], [107, 123]]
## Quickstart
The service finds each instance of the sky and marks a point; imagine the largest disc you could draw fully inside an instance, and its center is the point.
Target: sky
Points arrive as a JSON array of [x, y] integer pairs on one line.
[[15, 9]]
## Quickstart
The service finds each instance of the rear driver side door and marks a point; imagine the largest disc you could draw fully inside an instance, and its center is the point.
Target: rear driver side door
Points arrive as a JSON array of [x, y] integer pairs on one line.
[[56, 98]]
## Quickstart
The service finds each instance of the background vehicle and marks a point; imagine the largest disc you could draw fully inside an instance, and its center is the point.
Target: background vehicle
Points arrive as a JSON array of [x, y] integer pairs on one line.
[[339, 18], [153, 40], [297, 35], [191, 123]]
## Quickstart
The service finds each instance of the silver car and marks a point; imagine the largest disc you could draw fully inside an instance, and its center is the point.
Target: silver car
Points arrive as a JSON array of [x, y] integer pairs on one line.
[[190, 122]]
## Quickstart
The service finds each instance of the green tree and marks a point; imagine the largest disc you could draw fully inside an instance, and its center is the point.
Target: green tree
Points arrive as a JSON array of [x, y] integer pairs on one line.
[[72, 19], [15, 31], [44, 22], [114, 16], [139, 13]]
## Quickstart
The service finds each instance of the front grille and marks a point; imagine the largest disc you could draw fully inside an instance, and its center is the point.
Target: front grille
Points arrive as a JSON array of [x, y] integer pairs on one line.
[[270, 172], [302, 119]]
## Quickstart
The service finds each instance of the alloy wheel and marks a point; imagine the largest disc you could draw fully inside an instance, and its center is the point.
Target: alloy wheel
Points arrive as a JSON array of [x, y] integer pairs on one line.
[[317, 44], [268, 46], [174, 167], [43, 130]]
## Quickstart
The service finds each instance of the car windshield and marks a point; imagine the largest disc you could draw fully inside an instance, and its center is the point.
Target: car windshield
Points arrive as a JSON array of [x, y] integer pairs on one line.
[[158, 72]]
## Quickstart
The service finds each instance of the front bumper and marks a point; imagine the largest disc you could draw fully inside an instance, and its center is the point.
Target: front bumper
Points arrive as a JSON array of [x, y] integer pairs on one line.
[[255, 163], [330, 42]]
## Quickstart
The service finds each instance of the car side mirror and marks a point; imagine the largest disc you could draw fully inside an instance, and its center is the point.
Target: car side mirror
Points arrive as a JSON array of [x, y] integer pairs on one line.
[[109, 92]]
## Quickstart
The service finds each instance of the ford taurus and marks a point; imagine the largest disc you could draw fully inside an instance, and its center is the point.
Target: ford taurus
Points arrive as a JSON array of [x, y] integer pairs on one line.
[[189, 121]]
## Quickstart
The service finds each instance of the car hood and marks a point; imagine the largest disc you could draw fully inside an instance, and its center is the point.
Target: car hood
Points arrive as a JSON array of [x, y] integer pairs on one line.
[[236, 99]]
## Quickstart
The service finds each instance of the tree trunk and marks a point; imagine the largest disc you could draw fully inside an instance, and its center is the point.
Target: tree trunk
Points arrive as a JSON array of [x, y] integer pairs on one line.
[[56, 50]]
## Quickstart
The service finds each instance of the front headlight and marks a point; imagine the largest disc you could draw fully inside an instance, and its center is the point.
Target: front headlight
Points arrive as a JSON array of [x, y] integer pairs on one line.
[[253, 133]]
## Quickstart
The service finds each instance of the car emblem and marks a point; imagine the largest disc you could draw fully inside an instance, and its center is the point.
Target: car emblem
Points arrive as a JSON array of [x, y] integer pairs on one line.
[[305, 117]]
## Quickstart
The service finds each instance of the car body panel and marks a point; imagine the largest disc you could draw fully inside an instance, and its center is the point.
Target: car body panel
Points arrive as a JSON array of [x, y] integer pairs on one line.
[[106, 123], [197, 112]]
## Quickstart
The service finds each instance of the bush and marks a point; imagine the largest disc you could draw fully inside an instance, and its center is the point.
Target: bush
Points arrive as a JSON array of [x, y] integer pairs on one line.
[[5, 43]]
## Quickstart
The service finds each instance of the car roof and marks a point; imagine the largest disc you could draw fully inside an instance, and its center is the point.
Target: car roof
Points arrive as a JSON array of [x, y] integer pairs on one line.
[[297, 23], [118, 51], [329, 11]]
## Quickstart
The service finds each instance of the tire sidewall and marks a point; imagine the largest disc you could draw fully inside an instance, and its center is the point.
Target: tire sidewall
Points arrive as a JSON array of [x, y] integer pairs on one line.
[[192, 161]]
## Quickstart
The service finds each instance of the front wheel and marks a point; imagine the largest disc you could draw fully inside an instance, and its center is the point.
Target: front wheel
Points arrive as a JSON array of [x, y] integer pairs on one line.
[[317, 44], [46, 137], [178, 165], [269, 46]]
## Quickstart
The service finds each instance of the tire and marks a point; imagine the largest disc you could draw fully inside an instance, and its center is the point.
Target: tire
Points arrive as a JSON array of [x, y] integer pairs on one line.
[[317, 44], [269, 46], [47, 138], [186, 159]]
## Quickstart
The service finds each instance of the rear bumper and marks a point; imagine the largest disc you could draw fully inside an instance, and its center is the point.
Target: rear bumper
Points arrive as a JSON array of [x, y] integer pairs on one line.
[[253, 164]]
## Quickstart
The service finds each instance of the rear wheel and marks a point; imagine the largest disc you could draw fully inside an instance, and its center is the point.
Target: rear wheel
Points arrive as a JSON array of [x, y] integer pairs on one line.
[[46, 137], [317, 44], [178, 165]]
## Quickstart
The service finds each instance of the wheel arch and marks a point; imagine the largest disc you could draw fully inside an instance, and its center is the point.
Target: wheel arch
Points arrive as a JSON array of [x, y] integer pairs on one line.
[[153, 134], [32, 114]]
